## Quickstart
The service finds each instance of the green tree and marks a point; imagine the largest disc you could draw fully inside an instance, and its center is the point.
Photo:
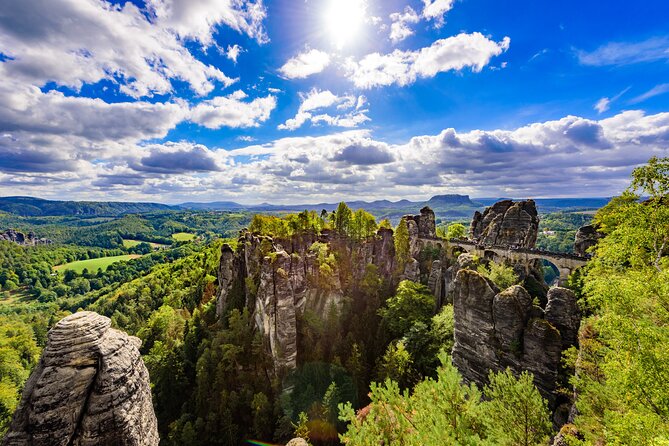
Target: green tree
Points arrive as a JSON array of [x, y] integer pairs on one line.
[[402, 247], [341, 219], [622, 362], [456, 230], [515, 412], [502, 275], [413, 302]]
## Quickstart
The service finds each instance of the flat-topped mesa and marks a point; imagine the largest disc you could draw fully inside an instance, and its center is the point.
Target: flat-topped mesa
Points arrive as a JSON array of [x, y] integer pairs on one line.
[[506, 223], [90, 387]]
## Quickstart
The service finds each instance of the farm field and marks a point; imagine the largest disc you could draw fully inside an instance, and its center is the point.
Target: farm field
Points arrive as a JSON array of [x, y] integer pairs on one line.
[[183, 236], [93, 264], [129, 243]]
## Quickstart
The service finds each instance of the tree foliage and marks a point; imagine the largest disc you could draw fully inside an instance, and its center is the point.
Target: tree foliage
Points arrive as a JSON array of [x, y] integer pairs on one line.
[[623, 362]]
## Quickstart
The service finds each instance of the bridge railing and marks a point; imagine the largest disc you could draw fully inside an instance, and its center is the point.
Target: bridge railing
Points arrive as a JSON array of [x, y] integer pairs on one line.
[[518, 249]]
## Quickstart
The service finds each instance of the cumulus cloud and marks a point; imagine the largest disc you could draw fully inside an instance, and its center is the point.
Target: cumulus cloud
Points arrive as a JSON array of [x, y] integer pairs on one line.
[[604, 104], [364, 154], [232, 111], [233, 52], [77, 42], [305, 64], [626, 53], [322, 99], [566, 157], [400, 29], [177, 158], [196, 19], [436, 9], [404, 67]]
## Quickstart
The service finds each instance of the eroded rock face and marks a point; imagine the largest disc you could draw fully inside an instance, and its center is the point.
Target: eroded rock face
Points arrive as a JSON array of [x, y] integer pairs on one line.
[[506, 223], [90, 387], [29, 239], [586, 237], [497, 329]]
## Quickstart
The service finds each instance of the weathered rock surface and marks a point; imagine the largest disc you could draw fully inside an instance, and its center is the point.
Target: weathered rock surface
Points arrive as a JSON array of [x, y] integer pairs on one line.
[[506, 223], [495, 330], [425, 226], [29, 239], [90, 387], [586, 237], [297, 442], [278, 279], [563, 312]]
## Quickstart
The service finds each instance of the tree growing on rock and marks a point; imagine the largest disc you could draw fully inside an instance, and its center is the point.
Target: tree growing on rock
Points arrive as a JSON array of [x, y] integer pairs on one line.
[[402, 247]]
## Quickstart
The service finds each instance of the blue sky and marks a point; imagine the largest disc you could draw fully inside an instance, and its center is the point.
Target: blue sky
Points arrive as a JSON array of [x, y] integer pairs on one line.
[[305, 101]]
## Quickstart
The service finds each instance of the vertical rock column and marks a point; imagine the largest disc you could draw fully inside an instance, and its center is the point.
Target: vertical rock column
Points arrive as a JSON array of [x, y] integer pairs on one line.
[[90, 387]]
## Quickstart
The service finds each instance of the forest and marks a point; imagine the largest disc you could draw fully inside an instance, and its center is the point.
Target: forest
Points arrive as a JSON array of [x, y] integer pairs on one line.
[[384, 353]]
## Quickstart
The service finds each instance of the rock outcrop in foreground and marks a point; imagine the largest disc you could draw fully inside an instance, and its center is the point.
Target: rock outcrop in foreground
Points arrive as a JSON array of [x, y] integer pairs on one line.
[[90, 387], [495, 329]]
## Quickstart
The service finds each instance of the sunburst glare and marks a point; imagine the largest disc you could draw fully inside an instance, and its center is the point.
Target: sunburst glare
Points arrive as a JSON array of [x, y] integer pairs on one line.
[[344, 20]]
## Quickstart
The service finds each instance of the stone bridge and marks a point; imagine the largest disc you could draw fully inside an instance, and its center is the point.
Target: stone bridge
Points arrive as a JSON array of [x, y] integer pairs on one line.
[[565, 263]]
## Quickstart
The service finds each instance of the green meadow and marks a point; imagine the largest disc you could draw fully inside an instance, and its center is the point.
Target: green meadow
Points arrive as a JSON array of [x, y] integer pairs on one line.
[[93, 264]]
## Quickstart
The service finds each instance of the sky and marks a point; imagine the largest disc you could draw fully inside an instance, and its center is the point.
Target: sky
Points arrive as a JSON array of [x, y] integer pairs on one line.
[[305, 101]]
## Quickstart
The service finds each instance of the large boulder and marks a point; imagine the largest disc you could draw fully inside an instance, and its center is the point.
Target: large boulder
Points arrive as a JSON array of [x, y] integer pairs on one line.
[[90, 387], [506, 223], [586, 237]]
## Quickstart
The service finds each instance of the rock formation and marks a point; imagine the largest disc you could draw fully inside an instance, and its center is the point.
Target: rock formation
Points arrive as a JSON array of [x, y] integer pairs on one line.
[[425, 224], [497, 329], [586, 237], [278, 279], [20, 238], [90, 387], [506, 223]]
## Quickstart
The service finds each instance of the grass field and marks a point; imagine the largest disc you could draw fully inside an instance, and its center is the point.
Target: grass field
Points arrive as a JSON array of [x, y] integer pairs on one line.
[[93, 264], [14, 297], [127, 243], [183, 236]]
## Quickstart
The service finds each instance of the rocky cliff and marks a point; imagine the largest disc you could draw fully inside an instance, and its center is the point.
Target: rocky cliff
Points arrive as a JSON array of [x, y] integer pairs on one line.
[[506, 223], [495, 329], [278, 279], [90, 387], [586, 237], [20, 238]]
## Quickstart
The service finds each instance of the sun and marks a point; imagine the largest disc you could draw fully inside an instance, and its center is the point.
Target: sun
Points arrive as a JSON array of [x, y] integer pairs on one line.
[[344, 20]]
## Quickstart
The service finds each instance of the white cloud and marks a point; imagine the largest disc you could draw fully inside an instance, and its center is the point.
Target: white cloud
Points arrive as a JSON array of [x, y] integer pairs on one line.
[[305, 64], [400, 29], [197, 19], [232, 111], [566, 157], [77, 42], [233, 52], [602, 105], [655, 91], [404, 67], [626, 53], [436, 9], [323, 99]]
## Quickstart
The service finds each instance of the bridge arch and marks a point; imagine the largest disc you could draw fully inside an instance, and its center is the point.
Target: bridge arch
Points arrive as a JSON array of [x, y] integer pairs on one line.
[[565, 263]]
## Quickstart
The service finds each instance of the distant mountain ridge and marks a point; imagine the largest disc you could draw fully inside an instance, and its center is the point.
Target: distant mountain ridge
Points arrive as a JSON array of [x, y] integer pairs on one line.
[[451, 206], [38, 207], [448, 206]]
